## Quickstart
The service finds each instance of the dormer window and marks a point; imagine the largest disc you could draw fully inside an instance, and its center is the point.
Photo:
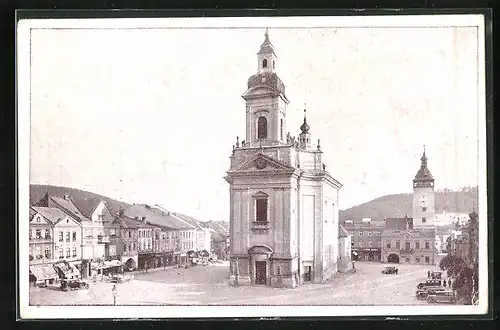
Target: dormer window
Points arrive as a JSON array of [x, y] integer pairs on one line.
[[262, 128], [264, 63]]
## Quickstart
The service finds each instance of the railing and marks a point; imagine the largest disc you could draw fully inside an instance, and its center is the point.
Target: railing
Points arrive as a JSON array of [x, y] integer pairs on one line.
[[260, 225], [40, 239]]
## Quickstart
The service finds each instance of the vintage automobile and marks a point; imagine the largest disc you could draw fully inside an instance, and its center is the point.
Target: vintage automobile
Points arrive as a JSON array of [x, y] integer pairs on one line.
[[425, 292], [442, 297], [390, 270], [436, 275], [76, 284], [119, 278], [429, 283]]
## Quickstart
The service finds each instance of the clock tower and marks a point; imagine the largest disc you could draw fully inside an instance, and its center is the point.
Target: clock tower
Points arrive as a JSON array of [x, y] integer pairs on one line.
[[423, 196]]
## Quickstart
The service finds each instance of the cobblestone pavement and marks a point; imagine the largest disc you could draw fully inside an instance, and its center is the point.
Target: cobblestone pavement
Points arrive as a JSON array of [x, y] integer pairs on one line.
[[208, 285]]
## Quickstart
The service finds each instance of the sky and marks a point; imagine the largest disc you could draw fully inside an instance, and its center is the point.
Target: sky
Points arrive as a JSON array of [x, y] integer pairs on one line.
[[150, 115]]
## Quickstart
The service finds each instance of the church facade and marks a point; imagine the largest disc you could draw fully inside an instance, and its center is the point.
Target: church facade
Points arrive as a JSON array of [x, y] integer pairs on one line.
[[283, 202], [411, 240]]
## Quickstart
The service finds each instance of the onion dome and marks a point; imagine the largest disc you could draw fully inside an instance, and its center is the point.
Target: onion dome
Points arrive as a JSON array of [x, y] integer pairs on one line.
[[268, 79], [305, 127], [423, 173]]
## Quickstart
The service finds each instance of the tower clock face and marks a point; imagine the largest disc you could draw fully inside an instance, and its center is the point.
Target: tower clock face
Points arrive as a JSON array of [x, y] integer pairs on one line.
[[424, 200]]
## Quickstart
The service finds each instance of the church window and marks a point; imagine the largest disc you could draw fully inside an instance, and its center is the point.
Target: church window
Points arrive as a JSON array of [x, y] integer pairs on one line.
[[426, 245], [261, 210], [397, 244], [388, 244], [281, 128], [427, 259], [264, 63], [424, 209], [424, 219], [262, 128], [417, 245]]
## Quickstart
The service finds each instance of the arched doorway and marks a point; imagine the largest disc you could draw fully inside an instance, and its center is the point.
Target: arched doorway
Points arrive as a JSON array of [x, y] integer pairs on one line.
[[393, 258], [130, 264], [260, 268]]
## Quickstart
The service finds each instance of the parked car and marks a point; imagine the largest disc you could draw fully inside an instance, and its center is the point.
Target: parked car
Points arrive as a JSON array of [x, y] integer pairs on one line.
[[442, 297], [429, 283], [425, 292], [67, 285], [390, 270], [436, 275]]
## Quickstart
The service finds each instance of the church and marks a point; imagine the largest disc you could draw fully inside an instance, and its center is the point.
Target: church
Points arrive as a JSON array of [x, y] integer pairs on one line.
[[411, 240], [283, 202]]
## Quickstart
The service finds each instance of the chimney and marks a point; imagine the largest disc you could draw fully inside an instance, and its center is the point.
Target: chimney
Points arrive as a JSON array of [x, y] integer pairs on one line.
[[66, 197], [136, 218]]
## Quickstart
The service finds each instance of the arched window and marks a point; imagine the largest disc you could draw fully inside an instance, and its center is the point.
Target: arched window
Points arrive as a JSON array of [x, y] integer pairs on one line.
[[262, 128], [281, 129], [264, 63]]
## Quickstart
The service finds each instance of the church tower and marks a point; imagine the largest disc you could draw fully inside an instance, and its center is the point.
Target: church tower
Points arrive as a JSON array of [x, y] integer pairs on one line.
[[265, 101], [283, 202], [423, 196]]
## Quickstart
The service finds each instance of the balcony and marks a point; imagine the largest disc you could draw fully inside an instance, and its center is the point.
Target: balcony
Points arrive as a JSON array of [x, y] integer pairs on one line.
[[260, 225], [102, 239], [40, 239]]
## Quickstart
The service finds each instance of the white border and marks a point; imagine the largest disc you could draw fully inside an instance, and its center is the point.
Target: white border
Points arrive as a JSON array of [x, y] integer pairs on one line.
[[71, 312]]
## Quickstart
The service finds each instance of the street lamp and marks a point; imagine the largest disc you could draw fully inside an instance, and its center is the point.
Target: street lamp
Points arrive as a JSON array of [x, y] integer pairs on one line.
[[114, 291]]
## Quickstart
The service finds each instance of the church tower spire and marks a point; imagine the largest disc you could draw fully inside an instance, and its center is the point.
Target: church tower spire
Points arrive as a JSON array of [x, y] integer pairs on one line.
[[266, 55], [305, 136]]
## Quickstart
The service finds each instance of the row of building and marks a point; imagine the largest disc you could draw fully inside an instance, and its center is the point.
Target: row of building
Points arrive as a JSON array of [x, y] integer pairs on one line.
[[372, 239], [89, 238]]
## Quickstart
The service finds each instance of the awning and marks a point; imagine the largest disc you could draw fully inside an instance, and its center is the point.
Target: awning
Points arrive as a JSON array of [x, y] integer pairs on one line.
[[43, 272], [107, 264], [68, 269]]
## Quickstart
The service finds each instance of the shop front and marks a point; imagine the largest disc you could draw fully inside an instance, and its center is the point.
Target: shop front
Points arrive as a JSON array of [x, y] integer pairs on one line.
[[43, 274], [366, 254]]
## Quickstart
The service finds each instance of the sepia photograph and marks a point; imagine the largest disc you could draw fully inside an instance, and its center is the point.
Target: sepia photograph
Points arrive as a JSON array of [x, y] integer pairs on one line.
[[252, 167]]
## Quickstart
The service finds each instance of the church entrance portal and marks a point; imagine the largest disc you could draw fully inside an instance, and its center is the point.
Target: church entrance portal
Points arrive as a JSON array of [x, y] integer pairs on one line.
[[393, 258], [260, 272]]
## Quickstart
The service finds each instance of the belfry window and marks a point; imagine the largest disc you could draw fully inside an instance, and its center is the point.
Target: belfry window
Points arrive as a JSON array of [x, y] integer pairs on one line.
[[264, 63], [262, 128]]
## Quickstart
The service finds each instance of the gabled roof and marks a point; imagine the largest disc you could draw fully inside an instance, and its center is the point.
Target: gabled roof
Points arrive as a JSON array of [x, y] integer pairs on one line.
[[126, 222], [51, 214], [65, 204], [343, 232], [157, 217], [87, 205]]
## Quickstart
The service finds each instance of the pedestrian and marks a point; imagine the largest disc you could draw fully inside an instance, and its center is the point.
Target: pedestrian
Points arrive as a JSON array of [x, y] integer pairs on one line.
[[114, 291], [449, 283], [444, 283], [428, 274]]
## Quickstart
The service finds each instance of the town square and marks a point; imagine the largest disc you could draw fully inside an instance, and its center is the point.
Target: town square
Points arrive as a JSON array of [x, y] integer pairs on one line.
[[256, 176]]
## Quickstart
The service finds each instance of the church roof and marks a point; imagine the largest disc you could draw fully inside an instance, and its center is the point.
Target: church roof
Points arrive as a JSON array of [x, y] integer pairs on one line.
[[267, 79], [266, 47]]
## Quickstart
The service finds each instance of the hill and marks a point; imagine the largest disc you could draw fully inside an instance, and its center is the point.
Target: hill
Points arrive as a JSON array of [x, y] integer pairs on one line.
[[38, 191], [399, 205]]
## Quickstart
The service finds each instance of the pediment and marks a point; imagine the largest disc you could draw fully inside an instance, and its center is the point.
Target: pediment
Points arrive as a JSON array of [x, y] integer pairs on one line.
[[261, 163], [39, 219]]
